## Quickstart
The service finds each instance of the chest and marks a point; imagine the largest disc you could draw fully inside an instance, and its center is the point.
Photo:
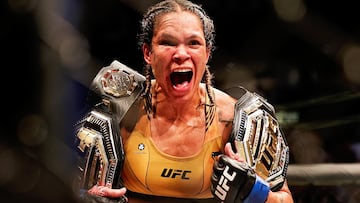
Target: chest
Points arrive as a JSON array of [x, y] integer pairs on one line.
[[178, 137], [172, 159]]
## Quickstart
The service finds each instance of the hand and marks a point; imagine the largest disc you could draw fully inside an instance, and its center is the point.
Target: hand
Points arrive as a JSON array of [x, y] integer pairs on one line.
[[233, 180], [107, 192], [103, 194], [230, 152]]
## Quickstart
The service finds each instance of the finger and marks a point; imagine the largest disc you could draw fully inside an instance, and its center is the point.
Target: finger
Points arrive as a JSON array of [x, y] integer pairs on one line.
[[112, 193], [94, 190], [228, 151]]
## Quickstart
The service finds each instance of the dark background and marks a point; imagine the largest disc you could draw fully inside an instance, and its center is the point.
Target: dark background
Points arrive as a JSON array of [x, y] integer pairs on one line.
[[303, 56]]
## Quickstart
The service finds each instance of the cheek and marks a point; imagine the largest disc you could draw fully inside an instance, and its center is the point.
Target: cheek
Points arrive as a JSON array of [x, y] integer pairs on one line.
[[159, 74], [200, 56], [201, 61], [160, 57], [160, 62]]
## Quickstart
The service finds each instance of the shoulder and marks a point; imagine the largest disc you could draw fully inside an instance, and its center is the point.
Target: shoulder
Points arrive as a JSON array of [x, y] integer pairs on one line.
[[224, 104]]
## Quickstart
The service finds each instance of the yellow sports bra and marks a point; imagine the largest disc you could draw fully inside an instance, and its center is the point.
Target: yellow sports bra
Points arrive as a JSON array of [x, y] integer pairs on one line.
[[149, 171]]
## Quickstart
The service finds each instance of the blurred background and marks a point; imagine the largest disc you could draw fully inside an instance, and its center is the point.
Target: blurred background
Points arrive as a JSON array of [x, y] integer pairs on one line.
[[302, 55]]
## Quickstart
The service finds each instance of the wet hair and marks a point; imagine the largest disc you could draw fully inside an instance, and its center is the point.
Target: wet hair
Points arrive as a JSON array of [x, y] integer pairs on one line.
[[151, 17]]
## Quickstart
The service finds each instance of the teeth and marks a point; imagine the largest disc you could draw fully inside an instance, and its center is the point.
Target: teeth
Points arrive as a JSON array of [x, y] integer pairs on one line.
[[182, 70]]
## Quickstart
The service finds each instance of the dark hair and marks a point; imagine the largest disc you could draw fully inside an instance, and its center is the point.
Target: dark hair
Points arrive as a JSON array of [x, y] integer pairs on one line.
[[151, 16]]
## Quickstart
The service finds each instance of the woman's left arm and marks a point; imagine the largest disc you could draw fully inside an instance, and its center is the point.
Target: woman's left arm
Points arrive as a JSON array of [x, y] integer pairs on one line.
[[282, 196]]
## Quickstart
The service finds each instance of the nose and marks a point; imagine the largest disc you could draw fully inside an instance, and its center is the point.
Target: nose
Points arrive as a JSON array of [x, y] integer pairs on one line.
[[181, 54]]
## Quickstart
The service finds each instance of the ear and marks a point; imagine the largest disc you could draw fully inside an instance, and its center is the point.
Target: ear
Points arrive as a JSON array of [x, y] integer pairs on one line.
[[146, 53]]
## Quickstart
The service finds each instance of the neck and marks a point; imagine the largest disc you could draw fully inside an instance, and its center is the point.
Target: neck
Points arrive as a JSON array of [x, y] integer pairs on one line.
[[177, 109]]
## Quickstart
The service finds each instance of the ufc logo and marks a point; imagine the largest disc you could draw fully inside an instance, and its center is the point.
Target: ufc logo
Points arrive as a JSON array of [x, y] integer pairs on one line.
[[222, 188], [173, 173], [267, 157]]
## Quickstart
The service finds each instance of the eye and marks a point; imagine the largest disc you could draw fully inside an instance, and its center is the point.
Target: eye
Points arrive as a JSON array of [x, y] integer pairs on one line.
[[194, 42], [167, 43]]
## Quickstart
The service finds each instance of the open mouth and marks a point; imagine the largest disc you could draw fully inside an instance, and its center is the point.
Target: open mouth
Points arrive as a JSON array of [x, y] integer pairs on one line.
[[181, 77]]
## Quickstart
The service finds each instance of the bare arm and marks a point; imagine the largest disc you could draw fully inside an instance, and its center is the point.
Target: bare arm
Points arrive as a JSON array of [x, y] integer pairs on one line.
[[281, 196]]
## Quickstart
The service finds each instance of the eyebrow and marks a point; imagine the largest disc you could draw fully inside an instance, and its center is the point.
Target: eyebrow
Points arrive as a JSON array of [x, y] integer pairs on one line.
[[169, 36], [166, 35]]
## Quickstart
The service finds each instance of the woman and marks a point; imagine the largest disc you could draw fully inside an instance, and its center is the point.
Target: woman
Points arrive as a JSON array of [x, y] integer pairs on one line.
[[182, 121]]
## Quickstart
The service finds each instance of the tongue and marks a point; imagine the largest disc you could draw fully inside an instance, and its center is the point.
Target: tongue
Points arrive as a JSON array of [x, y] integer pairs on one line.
[[180, 80], [180, 86]]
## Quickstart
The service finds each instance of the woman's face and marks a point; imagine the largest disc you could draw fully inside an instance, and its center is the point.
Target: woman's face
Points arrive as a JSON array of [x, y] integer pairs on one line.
[[178, 54]]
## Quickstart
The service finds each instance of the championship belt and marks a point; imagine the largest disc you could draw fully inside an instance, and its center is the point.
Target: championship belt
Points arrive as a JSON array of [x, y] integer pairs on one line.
[[258, 139], [97, 135], [100, 151]]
